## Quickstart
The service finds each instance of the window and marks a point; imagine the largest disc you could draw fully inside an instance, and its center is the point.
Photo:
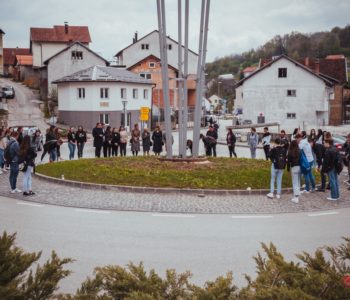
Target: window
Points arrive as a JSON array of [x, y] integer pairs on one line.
[[123, 93], [145, 94], [104, 104], [77, 55], [104, 118], [170, 46], [144, 46], [291, 115], [282, 72], [291, 93], [152, 64], [146, 75], [135, 93], [81, 93], [104, 93]]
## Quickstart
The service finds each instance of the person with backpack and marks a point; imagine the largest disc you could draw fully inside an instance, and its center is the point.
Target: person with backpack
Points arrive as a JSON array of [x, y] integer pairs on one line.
[[81, 140], [293, 165], [12, 157], [27, 155], [253, 141], [306, 170], [330, 166], [231, 142], [266, 142], [278, 156]]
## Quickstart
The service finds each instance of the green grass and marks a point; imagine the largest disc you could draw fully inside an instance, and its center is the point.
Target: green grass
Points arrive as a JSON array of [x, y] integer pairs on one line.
[[221, 173]]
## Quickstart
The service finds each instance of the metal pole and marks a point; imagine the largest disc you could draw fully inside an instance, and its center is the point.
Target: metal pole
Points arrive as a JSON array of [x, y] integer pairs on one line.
[[197, 114], [185, 75], [179, 84], [165, 77]]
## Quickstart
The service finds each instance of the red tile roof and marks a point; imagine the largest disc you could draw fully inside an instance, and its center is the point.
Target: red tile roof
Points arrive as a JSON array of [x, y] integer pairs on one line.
[[58, 34], [10, 54], [249, 69], [24, 60]]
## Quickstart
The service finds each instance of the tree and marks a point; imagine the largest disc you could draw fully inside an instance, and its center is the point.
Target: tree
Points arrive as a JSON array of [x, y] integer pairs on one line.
[[17, 278]]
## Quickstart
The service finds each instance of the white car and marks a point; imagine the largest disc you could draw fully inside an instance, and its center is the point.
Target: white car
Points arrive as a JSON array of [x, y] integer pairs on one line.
[[8, 92]]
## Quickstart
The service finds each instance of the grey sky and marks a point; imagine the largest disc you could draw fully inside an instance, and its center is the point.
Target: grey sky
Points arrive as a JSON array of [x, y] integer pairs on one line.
[[235, 25]]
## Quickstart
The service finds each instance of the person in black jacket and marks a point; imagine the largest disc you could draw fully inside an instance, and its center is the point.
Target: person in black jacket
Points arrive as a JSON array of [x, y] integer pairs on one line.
[[107, 142], [72, 142], [346, 149], [293, 165], [115, 141], [97, 133], [231, 142], [157, 138], [278, 156], [328, 167], [50, 147], [211, 147], [27, 155], [284, 139], [320, 151], [81, 140]]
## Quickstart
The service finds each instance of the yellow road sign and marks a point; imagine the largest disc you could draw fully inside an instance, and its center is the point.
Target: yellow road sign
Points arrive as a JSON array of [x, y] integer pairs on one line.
[[144, 110], [144, 117]]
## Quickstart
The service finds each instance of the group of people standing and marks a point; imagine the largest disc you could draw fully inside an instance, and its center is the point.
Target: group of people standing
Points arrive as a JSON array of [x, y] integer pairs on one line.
[[301, 156]]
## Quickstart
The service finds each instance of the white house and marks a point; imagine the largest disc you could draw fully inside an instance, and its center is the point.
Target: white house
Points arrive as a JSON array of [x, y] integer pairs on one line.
[[149, 45], [287, 92], [215, 101], [74, 58], [96, 94], [46, 42]]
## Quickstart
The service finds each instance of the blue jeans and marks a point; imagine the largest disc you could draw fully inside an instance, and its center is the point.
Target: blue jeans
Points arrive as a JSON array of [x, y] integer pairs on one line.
[[71, 150], [14, 170], [296, 180], [27, 179], [2, 160], [334, 183], [53, 154], [276, 174], [80, 147], [252, 151], [309, 178]]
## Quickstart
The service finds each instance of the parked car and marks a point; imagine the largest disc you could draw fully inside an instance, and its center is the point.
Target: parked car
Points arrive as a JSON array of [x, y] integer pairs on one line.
[[8, 92]]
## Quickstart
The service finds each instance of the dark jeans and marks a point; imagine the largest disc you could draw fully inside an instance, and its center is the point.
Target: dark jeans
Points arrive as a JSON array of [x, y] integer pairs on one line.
[[98, 151], [80, 147], [334, 183], [208, 150], [214, 150], [107, 150], [14, 170], [58, 153], [231, 149], [115, 150], [267, 151], [122, 149], [309, 178]]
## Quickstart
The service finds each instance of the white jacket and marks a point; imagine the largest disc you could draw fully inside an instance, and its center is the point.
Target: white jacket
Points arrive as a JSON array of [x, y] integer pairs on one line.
[[306, 147]]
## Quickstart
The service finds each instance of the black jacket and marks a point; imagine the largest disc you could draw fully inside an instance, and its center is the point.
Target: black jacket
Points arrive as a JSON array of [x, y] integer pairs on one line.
[[71, 137], [212, 134], [97, 133], [29, 158], [275, 155], [50, 145], [230, 139], [329, 159], [80, 136], [293, 160], [115, 138]]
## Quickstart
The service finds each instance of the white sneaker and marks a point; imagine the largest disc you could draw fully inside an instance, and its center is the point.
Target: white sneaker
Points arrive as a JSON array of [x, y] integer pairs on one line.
[[4, 170], [331, 199], [295, 200], [1, 172], [269, 195], [17, 190], [278, 196], [13, 191], [304, 192]]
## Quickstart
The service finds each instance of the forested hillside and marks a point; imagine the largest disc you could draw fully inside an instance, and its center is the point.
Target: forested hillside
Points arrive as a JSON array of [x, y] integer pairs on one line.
[[296, 45]]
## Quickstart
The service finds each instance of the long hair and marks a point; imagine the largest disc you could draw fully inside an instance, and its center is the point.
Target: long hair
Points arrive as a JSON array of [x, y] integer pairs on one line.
[[25, 145], [293, 148]]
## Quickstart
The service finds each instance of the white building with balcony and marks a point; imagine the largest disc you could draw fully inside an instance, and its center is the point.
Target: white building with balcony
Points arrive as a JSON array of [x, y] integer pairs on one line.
[[96, 94]]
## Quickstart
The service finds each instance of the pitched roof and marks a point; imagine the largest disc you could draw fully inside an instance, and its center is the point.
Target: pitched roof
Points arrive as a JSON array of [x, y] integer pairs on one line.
[[104, 74], [10, 54], [1, 31], [58, 34], [326, 79], [151, 56], [249, 69], [24, 60], [71, 45], [147, 36]]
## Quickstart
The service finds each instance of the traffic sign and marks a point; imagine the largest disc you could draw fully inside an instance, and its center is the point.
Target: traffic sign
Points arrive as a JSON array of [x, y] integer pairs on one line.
[[144, 110], [144, 117]]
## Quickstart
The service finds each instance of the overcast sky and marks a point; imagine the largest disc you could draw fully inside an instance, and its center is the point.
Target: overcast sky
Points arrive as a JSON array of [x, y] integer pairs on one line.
[[234, 26]]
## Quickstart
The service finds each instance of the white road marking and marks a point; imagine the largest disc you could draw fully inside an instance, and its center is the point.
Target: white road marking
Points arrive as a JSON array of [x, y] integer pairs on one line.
[[252, 217], [323, 214], [94, 211], [173, 216], [30, 204]]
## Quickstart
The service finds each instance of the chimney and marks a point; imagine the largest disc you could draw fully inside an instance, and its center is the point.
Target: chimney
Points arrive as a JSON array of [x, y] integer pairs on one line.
[[307, 62], [317, 66], [134, 40], [66, 27]]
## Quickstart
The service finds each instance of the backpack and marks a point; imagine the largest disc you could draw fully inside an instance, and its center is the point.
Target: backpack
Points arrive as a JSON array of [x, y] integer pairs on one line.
[[304, 164], [280, 159], [338, 163], [7, 152]]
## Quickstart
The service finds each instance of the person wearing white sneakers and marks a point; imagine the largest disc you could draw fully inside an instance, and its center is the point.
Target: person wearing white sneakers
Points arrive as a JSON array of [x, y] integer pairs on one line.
[[293, 166], [14, 161], [278, 157]]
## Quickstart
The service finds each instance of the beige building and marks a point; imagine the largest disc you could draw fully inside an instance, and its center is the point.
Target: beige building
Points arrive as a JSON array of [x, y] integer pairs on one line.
[[1, 52]]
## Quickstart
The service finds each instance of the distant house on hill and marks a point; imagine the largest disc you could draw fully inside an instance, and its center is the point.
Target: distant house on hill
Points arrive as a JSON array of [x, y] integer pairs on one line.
[[10, 58], [293, 94], [23, 67]]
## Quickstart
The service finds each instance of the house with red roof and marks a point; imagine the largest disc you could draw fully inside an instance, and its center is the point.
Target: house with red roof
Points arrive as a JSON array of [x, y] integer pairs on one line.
[[10, 58], [1, 52], [46, 42], [23, 67]]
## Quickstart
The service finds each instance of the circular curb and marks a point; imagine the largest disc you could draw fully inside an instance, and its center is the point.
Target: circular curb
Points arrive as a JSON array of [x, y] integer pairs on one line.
[[136, 189]]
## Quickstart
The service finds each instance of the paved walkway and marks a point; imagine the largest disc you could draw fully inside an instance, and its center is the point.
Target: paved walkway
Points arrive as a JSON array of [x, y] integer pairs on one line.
[[55, 194]]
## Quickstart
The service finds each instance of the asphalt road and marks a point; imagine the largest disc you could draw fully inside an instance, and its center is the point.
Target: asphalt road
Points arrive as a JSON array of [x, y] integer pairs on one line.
[[208, 245]]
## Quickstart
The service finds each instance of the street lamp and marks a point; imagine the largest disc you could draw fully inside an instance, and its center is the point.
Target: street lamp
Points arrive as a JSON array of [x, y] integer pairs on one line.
[[125, 102]]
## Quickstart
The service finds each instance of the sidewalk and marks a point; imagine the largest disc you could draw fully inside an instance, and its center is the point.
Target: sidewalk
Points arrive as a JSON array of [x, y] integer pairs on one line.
[[55, 194]]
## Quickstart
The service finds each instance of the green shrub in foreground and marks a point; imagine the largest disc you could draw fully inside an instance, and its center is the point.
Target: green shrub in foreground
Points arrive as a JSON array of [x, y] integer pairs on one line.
[[317, 276]]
